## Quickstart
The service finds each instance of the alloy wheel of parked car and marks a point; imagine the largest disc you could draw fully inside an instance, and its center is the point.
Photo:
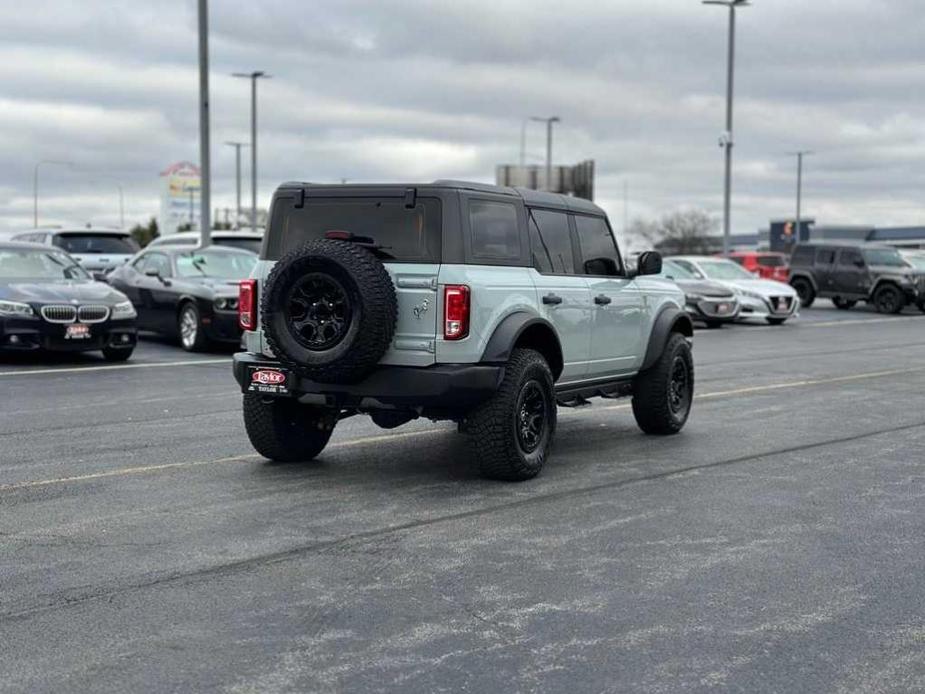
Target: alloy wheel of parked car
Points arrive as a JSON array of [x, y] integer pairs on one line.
[[888, 299], [189, 326]]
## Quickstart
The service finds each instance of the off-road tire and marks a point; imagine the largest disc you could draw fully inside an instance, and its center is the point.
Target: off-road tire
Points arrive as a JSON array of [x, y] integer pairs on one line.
[[889, 299], [117, 353], [284, 430], [200, 341], [844, 304], [651, 398], [372, 302], [492, 428], [804, 290]]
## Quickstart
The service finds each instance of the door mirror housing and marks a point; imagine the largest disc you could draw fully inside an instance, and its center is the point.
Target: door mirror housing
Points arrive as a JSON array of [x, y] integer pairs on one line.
[[649, 263]]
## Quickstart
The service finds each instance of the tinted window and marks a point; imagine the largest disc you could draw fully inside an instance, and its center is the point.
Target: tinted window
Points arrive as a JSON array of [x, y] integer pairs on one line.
[[598, 251], [850, 256], [495, 235], [771, 261], [802, 255], [551, 242], [209, 263], [159, 262], [252, 245], [97, 243], [825, 256], [402, 234]]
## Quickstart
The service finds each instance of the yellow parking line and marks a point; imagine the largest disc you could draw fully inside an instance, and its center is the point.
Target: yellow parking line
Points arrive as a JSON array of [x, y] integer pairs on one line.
[[430, 432], [81, 369]]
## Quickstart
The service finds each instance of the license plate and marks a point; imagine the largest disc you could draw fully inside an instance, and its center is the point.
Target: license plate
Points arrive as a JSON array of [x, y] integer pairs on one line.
[[722, 308], [77, 331], [268, 380]]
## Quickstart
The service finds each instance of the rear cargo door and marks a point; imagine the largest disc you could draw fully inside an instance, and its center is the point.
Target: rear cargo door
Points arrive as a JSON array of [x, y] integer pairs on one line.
[[414, 343]]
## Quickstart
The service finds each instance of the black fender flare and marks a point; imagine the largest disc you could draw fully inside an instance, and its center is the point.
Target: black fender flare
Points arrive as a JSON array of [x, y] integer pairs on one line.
[[808, 276], [670, 319], [508, 332]]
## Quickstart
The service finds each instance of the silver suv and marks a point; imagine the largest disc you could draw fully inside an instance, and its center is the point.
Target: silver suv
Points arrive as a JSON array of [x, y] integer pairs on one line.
[[483, 305]]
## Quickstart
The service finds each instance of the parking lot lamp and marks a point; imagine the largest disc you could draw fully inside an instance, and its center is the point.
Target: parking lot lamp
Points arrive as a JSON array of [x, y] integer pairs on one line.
[[237, 177], [253, 77], [205, 226], [548, 121], [799, 155]]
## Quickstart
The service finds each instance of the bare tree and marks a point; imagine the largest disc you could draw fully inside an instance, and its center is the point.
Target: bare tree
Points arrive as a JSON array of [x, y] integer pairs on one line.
[[684, 231]]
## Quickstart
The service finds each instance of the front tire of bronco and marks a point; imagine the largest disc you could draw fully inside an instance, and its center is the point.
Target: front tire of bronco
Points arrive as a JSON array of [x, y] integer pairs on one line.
[[283, 430], [513, 431], [663, 393]]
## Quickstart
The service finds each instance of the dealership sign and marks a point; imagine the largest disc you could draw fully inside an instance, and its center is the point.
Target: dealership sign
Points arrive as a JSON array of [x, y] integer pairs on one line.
[[180, 187]]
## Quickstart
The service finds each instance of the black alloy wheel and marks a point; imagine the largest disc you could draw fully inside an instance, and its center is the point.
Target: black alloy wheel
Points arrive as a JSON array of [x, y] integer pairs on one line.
[[888, 299], [680, 389], [318, 312], [530, 416]]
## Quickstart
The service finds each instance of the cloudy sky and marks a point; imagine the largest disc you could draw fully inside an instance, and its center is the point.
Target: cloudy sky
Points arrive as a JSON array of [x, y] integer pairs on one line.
[[413, 90]]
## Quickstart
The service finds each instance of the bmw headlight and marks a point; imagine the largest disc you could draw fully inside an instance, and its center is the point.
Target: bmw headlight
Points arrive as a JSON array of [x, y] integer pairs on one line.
[[17, 309], [123, 309], [226, 303]]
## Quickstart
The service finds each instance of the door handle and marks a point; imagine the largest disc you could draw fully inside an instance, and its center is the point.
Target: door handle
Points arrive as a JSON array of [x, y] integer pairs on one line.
[[552, 300], [602, 300]]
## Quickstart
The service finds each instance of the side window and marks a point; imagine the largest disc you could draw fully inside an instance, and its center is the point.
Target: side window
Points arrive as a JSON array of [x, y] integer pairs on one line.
[[598, 250], [850, 257], [737, 259], [802, 255], [551, 242], [160, 262], [495, 235], [825, 256], [140, 264]]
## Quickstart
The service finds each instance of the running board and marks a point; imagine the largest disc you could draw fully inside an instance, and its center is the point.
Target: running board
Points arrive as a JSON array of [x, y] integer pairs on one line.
[[577, 394]]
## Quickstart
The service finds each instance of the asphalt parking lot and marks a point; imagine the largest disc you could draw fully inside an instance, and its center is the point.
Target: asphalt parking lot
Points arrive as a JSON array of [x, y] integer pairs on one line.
[[777, 544]]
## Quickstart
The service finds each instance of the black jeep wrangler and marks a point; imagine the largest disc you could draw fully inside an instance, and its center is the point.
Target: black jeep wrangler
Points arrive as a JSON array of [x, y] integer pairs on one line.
[[847, 273]]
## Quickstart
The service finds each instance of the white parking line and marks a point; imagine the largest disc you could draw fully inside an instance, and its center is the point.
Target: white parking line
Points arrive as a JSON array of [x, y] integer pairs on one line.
[[81, 369]]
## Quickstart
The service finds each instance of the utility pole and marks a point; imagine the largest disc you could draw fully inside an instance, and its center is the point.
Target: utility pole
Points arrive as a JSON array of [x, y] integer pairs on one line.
[[523, 142], [121, 207], [253, 77], [626, 207], [205, 225], [548, 121], [799, 155], [237, 177], [726, 141], [35, 185]]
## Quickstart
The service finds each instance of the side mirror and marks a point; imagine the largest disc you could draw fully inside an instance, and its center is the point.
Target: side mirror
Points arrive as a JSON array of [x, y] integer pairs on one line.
[[649, 263], [601, 266], [152, 272]]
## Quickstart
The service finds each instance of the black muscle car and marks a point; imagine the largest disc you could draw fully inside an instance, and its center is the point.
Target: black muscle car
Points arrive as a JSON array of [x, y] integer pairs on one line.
[[49, 302], [186, 293]]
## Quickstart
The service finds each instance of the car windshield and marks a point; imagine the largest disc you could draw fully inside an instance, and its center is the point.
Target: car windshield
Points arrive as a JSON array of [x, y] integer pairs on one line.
[[97, 243], [883, 256], [724, 270], [916, 261], [28, 264], [233, 266], [252, 245], [676, 272]]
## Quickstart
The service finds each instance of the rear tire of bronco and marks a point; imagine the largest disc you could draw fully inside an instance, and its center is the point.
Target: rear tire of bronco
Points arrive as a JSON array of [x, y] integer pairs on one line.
[[329, 311], [889, 299], [843, 304], [283, 430], [513, 432], [804, 290], [663, 393]]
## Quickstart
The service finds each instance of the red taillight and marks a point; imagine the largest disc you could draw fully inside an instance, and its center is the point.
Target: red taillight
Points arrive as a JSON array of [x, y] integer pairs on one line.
[[247, 304], [455, 311]]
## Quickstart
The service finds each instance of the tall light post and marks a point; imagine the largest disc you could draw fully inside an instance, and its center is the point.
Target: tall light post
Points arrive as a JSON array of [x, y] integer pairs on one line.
[[237, 177], [121, 206], [523, 142], [548, 121], [726, 141], [205, 211], [253, 77], [799, 155], [35, 185]]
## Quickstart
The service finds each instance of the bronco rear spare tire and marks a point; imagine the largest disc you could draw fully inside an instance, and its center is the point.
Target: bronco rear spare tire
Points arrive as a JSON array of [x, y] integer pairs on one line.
[[329, 311]]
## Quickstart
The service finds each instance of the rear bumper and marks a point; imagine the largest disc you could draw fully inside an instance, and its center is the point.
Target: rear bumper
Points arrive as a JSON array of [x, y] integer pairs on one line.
[[443, 387]]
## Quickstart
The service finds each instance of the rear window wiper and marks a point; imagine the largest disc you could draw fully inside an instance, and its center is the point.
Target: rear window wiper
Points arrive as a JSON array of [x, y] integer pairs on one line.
[[365, 241]]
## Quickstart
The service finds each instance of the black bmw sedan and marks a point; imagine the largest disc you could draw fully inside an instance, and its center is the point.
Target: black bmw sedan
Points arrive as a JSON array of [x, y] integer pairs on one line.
[[49, 302], [188, 294]]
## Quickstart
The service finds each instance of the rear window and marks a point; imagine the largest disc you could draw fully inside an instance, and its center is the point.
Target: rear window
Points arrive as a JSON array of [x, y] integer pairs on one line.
[[97, 243], [771, 261], [410, 235], [802, 255], [252, 245]]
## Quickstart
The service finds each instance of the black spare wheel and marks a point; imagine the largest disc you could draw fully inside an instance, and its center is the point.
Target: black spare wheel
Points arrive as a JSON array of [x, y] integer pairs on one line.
[[329, 311]]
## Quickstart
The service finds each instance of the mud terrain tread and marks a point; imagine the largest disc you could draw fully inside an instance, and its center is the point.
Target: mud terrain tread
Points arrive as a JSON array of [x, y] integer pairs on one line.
[[650, 392], [378, 309], [283, 430], [490, 428]]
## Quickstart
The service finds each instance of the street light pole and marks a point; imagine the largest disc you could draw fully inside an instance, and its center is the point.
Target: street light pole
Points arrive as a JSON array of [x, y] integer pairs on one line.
[[253, 77], [727, 141], [799, 155], [121, 207], [205, 225], [523, 142], [237, 177], [548, 121], [35, 185]]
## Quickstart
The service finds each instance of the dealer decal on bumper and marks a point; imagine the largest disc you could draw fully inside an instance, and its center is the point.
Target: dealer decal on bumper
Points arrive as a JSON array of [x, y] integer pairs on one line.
[[269, 380]]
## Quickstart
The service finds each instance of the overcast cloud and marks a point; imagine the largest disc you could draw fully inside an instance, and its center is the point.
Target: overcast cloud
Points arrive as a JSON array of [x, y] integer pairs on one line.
[[412, 90]]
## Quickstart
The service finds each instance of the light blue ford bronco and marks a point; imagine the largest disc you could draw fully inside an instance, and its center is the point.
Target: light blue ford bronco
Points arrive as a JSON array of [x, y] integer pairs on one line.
[[483, 305]]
